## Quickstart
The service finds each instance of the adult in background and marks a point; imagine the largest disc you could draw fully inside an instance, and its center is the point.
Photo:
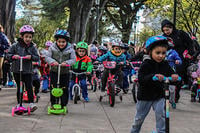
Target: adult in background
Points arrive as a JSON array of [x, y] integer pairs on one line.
[[182, 42], [4, 45]]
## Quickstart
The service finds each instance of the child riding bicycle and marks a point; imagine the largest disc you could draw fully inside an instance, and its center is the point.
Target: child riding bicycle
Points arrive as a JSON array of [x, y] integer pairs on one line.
[[62, 53], [116, 55], [83, 64], [151, 93]]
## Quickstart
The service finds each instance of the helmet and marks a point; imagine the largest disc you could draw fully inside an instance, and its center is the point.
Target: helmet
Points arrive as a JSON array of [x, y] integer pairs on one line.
[[48, 43], [57, 92], [93, 49], [26, 29], [63, 34], [125, 46], [103, 48], [154, 40], [82, 44], [116, 44]]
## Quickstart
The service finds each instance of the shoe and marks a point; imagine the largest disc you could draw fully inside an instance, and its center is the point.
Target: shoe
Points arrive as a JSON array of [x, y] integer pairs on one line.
[[193, 99], [44, 91], [174, 105], [33, 107], [18, 105], [86, 99]]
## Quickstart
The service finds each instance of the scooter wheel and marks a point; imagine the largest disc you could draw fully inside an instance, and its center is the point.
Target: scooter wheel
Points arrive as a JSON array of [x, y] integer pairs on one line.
[[13, 111], [100, 98], [29, 110], [121, 98]]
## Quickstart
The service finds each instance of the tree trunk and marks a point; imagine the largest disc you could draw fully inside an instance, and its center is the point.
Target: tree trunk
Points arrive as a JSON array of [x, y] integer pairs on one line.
[[7, 17], [92, 25], [79, 15]]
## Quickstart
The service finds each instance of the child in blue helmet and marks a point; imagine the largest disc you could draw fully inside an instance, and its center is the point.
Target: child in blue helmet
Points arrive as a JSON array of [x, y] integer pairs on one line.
[[151, 93], [62, 53]]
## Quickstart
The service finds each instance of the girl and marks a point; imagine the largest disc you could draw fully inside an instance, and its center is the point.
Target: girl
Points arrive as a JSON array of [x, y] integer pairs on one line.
[[24, 47]]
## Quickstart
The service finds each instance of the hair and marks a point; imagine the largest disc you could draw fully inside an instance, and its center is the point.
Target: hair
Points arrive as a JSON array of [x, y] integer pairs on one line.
[[168, 26], [1, 28], [23, 33]]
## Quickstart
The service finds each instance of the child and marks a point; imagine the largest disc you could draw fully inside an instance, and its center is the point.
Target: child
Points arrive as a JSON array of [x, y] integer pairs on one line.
[[151, 93], [24, 47], [44, 68], [114, 55], [126, 68], [60, 53], [83, 64]]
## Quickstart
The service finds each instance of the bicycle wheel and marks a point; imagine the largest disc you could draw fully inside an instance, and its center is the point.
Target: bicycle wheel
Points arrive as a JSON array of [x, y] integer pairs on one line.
[[111, 94], [94, 85], [134, 92], [76, 90]]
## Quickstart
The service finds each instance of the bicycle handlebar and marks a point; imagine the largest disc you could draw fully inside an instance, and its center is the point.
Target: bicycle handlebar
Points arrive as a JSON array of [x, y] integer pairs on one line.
[[21, 57], [67, 65], [77, 73]]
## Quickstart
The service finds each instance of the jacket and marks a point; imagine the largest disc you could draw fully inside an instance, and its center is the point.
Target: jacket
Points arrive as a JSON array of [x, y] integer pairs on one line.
[[171, 57], [148, 89], [19, 49], [4, 44], [110, 57], [67, 55], [83, 64]]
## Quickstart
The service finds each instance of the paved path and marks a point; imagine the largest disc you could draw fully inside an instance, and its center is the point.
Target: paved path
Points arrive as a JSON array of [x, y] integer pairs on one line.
[[93, 117]]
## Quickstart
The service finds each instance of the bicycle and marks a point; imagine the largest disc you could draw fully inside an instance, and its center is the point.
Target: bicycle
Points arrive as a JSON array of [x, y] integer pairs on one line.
[[135, 79], [111, 89], [76, 89], [96, 82]]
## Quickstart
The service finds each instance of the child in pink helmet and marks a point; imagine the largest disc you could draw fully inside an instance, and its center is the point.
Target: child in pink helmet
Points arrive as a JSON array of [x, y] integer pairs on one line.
[[24, 47]]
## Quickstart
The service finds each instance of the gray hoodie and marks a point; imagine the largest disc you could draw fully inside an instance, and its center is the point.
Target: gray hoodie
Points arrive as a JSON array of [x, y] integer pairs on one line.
[[67, 55]]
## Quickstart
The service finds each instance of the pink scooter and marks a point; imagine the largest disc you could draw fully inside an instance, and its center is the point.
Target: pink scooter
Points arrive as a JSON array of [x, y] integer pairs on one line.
[[21, 109]]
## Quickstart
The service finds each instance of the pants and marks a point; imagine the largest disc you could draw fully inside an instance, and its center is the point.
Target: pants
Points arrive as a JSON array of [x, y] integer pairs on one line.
[[45, 83], [172, 96], [27, 79], [83, 85], [36, 84], [64, 84], [143, 108], [1, 69], [125, 79], [194, 90], [6, 73], [117, 73]]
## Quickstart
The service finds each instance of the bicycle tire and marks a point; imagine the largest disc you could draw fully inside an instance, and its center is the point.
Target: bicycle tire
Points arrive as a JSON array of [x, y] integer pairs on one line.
[[134, 92], [94, 85], [75, 94], [111, 94]]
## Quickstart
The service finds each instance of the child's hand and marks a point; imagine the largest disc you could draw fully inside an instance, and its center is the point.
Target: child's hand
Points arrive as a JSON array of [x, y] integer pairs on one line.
[[28, 57], [127, 62], [96, 62], [177, 62], [63, 64], [121, 63], [174, 77], [16, 57], [160, 77], [88, 73]]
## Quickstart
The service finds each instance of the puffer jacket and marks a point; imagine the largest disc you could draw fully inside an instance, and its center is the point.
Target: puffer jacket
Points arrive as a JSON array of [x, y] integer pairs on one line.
[[66, 55], [3, 44], [110, 57], [19, 49], [171, 57]]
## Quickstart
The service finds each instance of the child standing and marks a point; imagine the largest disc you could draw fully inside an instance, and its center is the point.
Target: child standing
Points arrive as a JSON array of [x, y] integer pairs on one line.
[[151, 93], [83, 64], [24, 47], [60, 53]]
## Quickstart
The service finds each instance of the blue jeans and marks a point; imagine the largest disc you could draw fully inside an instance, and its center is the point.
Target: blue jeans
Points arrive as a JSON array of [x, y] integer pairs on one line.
[[45, 83], [143, 108], [125, 79], [83, 85]]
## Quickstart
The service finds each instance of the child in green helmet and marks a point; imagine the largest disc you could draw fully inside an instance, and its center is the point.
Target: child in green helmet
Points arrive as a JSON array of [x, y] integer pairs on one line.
[[83, 64]]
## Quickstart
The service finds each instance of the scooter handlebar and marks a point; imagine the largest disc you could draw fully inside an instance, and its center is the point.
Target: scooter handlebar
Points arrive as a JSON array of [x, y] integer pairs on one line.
[[165, 78]]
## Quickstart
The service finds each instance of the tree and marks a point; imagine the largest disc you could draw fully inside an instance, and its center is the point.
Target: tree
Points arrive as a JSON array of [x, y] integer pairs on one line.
[[123, 13], [7, 17]]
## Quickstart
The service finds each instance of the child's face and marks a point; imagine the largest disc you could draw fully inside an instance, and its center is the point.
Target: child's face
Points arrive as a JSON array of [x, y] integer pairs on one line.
[[81, 52], [92, 53], [117, 49], [27, 37], [159, 53], [61, 42], [123, 50]]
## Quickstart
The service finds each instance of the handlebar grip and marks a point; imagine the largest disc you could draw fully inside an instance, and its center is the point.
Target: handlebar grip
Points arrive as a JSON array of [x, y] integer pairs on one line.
[[179, 78], [155, 78]]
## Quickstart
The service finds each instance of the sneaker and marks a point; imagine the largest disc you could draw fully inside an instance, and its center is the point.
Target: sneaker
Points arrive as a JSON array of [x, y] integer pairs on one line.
[[18, 105], [174, 105], [33, 107], [86, 99]]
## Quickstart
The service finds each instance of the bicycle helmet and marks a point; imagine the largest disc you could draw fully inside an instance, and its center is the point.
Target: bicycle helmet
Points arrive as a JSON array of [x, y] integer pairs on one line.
[[48, 43], [102, 48], [116, 44], [62, 34], [82, 44], [26, 29], [154, 41]]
